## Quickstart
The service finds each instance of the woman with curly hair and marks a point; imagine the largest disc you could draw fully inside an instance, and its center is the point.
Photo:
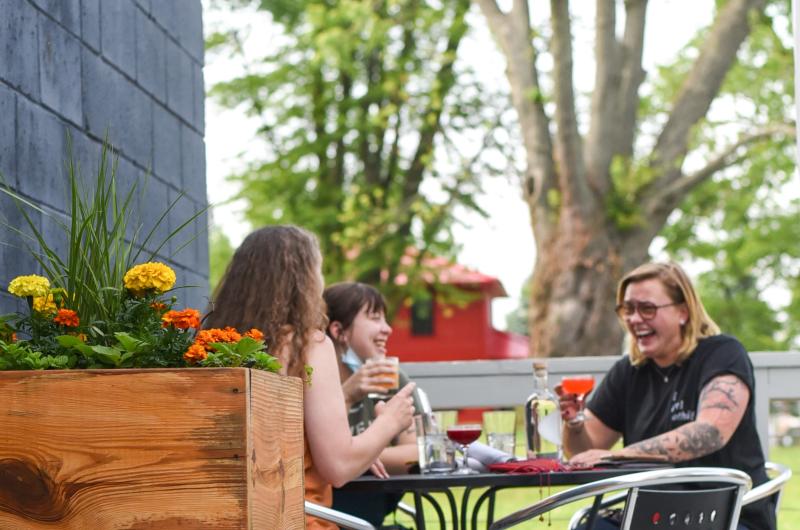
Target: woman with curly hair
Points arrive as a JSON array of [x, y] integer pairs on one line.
[[274, 283]]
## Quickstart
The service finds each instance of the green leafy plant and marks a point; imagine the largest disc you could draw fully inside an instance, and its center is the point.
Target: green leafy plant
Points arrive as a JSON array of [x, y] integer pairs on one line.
[[95, 307]]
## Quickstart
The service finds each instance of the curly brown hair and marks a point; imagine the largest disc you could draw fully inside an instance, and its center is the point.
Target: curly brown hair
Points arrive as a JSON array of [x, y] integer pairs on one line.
[[274, 283]]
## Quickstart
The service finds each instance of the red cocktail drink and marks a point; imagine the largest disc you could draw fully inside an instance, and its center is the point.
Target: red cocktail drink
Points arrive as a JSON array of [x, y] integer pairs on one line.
[[464, 434], [577, 384]]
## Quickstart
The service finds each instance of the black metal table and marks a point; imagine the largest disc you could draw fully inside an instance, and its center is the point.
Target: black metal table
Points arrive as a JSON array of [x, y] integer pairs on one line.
[[421, 486]]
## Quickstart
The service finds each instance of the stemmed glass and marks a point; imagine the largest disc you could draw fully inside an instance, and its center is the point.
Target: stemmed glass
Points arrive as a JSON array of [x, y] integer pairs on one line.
[[463, 435], [580, 385]]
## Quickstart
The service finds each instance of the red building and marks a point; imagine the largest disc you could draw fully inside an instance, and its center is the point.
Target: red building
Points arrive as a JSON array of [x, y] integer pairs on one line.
[[430, 331]]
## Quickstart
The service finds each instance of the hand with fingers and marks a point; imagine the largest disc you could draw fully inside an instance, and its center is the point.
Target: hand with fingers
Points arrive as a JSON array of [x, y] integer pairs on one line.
[[372, 377], [570, 404], [399, 409]]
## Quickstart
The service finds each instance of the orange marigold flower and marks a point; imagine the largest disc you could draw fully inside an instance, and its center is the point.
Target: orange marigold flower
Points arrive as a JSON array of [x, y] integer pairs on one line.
[[255, 334], [188, 318], [195, 353], [159, 307], [67, 317], [13, 337], [210, 336]]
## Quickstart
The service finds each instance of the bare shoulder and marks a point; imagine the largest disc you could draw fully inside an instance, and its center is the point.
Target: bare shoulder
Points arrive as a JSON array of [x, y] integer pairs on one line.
[[319, 343]]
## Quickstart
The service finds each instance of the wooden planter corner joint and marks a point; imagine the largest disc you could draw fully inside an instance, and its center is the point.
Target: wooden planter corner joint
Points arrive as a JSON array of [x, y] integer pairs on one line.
[[151, 449]]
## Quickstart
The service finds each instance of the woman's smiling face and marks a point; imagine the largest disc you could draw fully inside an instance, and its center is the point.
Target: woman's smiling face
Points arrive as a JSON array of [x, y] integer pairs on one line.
[[368, 334], [658, 338]]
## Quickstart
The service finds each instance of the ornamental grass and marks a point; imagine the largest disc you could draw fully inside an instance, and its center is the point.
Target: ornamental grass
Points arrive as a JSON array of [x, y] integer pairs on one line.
[[107, 302]]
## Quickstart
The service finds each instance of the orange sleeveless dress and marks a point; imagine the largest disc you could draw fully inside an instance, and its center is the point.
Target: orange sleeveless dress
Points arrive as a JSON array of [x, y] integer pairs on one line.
[[317, 491]]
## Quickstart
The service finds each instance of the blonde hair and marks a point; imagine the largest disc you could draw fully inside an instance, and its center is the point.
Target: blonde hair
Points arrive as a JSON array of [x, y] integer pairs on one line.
[[680, 291]]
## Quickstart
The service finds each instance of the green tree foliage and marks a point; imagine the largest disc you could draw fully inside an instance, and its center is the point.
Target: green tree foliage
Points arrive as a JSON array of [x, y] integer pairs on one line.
[[373, 129], [743, 225]]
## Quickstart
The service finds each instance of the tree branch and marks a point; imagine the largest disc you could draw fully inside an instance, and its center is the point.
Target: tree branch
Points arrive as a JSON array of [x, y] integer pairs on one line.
[[701, 86], [572, 183], [632, 75], [513, 34], [604, 108], [671, 195], [432, 115]]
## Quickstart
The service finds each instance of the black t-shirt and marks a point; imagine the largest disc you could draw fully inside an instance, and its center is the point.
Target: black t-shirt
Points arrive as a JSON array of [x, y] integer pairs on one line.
[[644, 401]]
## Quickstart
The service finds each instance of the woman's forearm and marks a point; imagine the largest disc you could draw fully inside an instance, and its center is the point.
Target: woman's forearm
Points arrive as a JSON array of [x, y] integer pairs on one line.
[[692, 440]]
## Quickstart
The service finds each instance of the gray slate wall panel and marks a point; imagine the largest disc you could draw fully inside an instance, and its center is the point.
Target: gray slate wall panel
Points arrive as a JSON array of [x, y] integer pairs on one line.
[[19, 61], [118, 33], [8, 153], [180, 84], [40, 154], [60, 69], [151, 64], [193, 163], [65, 12], [97, 67], [167, 147], [90, 23]]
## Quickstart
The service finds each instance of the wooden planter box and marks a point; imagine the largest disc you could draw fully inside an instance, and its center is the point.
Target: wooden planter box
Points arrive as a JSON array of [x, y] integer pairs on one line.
[[151, 449]]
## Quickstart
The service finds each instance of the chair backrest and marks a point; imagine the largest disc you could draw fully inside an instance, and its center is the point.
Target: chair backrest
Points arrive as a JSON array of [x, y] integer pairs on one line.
[[342, 519], [718, 476], [773, 487], [706, 509]]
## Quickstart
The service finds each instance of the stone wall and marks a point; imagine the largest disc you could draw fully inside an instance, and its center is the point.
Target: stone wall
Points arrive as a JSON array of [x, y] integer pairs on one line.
[[130, 70]]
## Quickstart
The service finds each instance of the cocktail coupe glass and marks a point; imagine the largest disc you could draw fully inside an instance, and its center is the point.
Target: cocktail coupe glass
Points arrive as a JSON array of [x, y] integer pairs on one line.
[[580, 385], [463, 435]]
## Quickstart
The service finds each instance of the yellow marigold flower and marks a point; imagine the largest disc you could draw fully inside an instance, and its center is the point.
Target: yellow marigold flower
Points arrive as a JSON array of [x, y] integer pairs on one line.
[[32, 285], [188, 318], [195, 353], [45, 304], [151, 276], [67, 317], [255, 334]]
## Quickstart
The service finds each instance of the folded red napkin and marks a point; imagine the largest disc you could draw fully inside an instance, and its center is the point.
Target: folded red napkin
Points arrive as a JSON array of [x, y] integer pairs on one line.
[[534, 465]]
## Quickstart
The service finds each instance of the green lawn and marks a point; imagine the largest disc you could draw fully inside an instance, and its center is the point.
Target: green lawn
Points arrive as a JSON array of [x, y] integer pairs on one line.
[[515, 498]]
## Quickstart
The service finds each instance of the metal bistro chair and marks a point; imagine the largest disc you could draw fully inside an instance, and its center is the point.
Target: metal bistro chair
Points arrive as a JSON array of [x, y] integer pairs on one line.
[[649, 505], [772, 487], [340, 518]]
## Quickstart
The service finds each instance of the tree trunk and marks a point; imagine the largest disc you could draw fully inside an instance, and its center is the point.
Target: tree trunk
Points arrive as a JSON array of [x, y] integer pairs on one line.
[[582, 251]]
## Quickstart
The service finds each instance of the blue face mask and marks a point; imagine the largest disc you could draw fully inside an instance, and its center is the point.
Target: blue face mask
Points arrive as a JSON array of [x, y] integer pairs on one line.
[[351, 360]]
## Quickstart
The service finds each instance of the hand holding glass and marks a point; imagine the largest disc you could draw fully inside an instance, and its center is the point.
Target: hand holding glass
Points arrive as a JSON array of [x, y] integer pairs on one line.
[[464, 434], [391, 366], [580, 385]]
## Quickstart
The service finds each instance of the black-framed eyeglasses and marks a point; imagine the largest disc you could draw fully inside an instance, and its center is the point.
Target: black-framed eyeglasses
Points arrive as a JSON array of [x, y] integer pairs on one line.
[[646, 310]]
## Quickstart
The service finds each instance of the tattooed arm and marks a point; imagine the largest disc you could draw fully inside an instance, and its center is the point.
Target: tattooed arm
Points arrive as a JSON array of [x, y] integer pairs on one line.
[[720, 408]]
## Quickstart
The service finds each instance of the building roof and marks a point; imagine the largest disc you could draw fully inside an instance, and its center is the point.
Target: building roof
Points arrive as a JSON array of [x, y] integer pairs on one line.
[[442, 270]]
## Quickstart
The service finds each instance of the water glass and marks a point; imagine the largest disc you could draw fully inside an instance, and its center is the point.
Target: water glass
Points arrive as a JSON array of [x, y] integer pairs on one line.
[[436, 452], [500, 427]]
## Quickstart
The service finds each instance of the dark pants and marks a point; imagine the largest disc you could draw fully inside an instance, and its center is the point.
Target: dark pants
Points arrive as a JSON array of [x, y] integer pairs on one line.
[[370, 506]]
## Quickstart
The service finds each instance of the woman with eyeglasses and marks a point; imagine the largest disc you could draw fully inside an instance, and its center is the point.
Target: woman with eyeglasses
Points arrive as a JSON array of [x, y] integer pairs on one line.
[[684, 394]]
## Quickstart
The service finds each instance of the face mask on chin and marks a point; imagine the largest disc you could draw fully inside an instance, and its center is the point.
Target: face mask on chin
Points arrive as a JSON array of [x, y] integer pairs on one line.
[[351, 360]]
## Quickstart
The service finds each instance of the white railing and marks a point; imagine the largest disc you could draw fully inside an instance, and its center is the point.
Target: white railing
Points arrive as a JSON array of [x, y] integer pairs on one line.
[[461, 384]]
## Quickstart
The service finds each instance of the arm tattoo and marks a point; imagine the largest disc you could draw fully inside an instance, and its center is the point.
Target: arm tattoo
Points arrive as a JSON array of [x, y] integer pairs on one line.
[[699, 440], [687, 442], [651, 446], [720, 394]]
